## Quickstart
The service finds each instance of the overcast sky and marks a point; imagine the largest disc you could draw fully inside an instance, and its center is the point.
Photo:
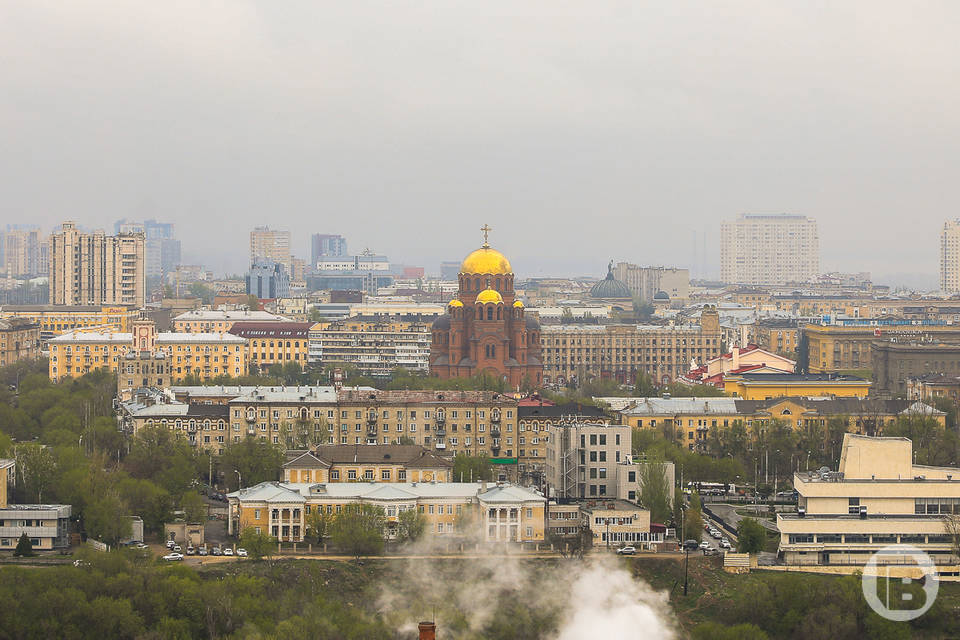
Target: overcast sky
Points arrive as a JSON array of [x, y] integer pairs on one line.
[[581, 131]]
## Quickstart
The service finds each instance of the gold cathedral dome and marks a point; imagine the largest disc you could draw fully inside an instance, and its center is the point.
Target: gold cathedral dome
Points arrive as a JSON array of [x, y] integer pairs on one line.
[[489, 295], [486, 260]]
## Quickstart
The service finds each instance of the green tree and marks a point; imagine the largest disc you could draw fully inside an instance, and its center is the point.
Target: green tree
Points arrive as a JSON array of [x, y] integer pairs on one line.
[[410, 525], [751, 536], [36, 467], [467, 468], [693, 521], [654, 486], [258, 545], [318, 524], [716, 631], [147, 500], [194, 507], [256, 460], [24, 547], [105, 519], [358, 530], [160, 455]]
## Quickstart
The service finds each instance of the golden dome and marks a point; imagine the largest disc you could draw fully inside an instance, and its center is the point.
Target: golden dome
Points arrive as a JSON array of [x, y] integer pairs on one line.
[[455, 303], [489, 295], [518, 304], [486, 260]]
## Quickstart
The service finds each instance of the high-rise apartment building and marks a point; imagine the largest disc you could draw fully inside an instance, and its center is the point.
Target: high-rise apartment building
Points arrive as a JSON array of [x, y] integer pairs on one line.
[[950, 257], [325, 245], [769, 249], [162, 249], [646, 282], [272, 245], [267, 279], [96, 269], [25, 252]]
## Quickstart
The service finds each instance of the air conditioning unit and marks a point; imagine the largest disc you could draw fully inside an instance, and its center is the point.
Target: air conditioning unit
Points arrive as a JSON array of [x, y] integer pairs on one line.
[[863, 511], [801, 512]]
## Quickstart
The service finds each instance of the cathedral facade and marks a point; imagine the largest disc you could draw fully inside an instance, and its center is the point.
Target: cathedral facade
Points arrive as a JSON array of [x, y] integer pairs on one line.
[[485, 329]]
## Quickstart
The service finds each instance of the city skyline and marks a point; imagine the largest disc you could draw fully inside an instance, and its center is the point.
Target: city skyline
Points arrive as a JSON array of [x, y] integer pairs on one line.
[[379, 137]]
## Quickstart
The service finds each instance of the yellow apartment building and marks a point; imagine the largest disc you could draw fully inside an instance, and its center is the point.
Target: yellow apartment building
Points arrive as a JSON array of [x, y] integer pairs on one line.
[[876, 498], [54, 320], [367, 463], [763, 386], [19, 340], [270, 343], [207, 321], [458, 511], [846, 347]]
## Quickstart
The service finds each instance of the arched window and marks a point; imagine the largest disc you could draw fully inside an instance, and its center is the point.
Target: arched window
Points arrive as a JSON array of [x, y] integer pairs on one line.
[[476, 284], [490, 313], [498, 284], [493, 351], [499, 313]]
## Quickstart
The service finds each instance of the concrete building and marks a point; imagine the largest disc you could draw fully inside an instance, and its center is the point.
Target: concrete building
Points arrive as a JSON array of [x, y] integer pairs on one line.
[[366, 463], [950, 257], [581, 459], [621, 352], [143, 365], [47, 525], [497, 513], [375, 346], [268, 279], [161, 247], [54, 320], [19, 340], [360, 263], [323, 245], [25, 252], [270, 245], [778, 336], [533, 428], [764, 386], [207, 321], [270, 343], [769, 249], [876, 498], [932, 386], [96, 269], [895, 362], [615, 523], [646, 282]]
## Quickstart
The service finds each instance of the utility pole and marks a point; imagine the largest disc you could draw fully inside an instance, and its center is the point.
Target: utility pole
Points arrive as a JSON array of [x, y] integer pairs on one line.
[[686, 562]]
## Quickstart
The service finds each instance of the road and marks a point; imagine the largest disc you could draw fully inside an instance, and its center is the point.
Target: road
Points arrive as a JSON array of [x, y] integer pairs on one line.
[[729, 513]]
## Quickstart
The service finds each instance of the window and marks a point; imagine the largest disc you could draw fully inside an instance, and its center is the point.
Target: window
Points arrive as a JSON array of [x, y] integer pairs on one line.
[[352, 474], [385, 474], [853, 505]]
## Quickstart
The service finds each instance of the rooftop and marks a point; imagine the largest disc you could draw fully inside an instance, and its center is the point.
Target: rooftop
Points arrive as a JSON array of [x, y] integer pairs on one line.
[[234, 316], [298, 492], [410, 455]]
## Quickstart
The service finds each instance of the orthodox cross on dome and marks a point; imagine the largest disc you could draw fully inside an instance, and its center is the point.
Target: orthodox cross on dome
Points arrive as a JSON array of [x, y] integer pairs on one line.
[[486, 231]]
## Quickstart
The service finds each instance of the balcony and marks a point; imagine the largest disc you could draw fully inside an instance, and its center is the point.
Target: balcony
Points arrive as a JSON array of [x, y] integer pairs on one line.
[[441, 445]]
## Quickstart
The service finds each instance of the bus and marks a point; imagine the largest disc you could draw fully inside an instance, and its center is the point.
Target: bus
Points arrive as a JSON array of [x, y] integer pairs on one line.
[[710, 488]]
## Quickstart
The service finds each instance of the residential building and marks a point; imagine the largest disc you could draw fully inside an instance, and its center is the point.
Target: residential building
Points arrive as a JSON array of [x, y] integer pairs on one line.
[[486, 329], [497, 513], [370, 282], [203, 355], [646, 282], [268, 279], [54, 319], [769, 249], [366, 261], [323, 245], [206, 321], [270, 343], [564, 520], [621, 351], [876, 498], [762, 386], [96, 269], [19, 340], [950, 257], [844, 344], [895, 362], [777, 336], [533, 428], [206, 426], [144, 365], [161, 247], [933, 386], [367, 463], [271, 245], [692, 421], [581, 459], [25, 252], [749, 359], [616, 523], [376, 346]]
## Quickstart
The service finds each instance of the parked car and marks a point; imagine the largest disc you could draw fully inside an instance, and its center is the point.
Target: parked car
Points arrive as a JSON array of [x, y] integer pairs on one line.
[[716, 534], [710, 551], [177, 548], [704, 544], [202, 551], [691, 545], [170, 544], [216, 551], [191, 551], [623, 551], [140, 545], [228, 551], [725, 544], [241, 552], [173, 557]]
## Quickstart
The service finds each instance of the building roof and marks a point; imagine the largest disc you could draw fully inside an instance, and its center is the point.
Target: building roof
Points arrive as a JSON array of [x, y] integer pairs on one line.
[[230, 316], [486, 260], [409, 455], [490, 296], [610, 287], [81, 337], [800, 378], [298, 492], [299, 395], [169, 337], [398, 396], [17, 324], [680, 406], [558, 411], [271, 329], [182, 410]]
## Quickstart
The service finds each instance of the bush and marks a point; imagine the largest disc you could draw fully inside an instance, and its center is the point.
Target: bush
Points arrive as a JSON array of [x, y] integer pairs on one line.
[[24, 547]]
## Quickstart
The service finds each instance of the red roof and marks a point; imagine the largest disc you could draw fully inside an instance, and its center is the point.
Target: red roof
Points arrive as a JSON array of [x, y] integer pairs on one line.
[[534, 401]]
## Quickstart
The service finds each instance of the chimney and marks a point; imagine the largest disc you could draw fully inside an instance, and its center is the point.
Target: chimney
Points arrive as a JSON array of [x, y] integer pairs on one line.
[[735, 352], [428, 630]]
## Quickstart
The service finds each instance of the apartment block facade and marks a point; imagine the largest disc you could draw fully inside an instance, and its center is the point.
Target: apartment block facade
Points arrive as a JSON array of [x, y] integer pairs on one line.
[[950, 257], [96, 269], [19, 340], [769, 249], [375, 346], [646, 282], [25, 251], [271, 244]]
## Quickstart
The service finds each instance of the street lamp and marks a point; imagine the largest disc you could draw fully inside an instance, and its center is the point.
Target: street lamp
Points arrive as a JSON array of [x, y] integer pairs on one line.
[[239, 479]]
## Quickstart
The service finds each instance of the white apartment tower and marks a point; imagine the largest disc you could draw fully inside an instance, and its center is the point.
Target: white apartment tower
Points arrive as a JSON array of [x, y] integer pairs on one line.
[[96, 269], [272, 245], [950, 257], [769, 249]]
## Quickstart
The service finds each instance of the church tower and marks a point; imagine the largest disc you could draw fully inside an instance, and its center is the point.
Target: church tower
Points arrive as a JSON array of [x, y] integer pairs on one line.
[[485, 329]]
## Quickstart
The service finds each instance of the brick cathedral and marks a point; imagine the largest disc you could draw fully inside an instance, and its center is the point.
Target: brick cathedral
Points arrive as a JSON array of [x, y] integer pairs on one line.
[[485, 329]]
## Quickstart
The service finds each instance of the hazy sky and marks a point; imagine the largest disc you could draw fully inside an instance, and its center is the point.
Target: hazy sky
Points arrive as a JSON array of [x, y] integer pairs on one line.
[[581, 131]]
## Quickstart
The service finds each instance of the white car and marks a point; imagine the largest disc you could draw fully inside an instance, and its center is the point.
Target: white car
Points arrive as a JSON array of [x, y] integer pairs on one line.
[[171, 544], [716, 534], [725, 544], [623, 551], [140, 545], [177, 549], [228, 551], [173, 556], [704, 545]]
